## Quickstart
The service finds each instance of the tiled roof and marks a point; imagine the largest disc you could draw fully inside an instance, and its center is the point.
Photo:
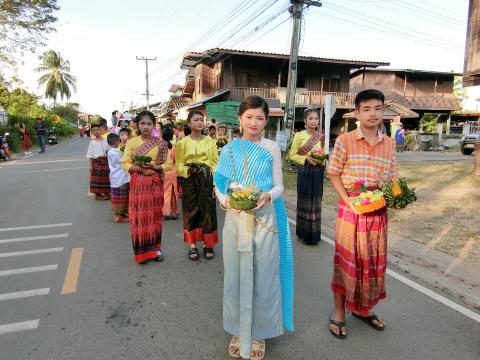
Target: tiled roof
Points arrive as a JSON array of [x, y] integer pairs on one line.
[[192, 58], [179, 102]]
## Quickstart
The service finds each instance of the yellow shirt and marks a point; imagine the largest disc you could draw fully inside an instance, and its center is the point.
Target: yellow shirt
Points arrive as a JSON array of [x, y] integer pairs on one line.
[[299, 140], [132, 145], [104, 136], [188, 151]]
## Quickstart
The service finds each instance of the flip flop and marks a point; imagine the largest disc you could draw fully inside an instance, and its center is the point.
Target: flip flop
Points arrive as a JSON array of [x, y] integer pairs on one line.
[[340, 325], [192, 252], [369, 320], [234, 343]]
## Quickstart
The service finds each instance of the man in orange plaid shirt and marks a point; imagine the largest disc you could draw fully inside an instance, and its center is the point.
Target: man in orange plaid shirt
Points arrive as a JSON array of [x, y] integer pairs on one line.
[[364, 155]]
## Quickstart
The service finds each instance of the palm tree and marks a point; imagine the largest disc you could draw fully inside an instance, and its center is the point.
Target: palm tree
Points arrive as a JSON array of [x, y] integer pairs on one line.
[[57, 78]]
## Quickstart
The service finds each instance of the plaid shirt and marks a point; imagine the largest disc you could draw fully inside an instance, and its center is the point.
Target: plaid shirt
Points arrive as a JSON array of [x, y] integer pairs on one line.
[[353, 158]]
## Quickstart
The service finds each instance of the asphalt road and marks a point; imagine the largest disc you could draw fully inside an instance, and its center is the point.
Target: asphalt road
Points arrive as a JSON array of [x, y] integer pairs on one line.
[[169, 310]]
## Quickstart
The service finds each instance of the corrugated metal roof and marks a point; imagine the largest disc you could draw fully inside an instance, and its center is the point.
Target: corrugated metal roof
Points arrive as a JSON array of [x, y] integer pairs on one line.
[[206, 100], [193, 58]]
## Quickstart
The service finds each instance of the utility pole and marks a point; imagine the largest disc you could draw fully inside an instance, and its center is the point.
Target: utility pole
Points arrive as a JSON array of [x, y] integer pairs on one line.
[[147, 92], [296, 9], [123, 103]]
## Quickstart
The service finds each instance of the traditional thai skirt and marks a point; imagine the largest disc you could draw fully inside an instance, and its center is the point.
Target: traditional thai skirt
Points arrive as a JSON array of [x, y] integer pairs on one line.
[[99, 177], [145, 206], [360, 260], [199, 210], [309, 203], [119, 196]]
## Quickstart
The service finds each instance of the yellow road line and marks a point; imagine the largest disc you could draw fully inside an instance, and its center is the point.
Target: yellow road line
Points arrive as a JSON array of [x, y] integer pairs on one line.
[[73, 272]]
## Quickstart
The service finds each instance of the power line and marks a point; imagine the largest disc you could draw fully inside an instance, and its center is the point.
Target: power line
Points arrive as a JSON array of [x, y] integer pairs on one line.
[[147, 91]]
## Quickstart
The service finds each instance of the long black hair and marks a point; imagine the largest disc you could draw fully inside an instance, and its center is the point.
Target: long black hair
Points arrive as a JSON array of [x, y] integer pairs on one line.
[[167, 134], [145, 114]]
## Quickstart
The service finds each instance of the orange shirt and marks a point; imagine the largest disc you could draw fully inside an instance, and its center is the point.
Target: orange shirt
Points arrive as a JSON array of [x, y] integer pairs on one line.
[[354, 158]]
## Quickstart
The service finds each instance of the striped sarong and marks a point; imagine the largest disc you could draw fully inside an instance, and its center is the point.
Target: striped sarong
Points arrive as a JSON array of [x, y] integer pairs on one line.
[[99, 177], [360, 259], [145, 204], [119, 196]]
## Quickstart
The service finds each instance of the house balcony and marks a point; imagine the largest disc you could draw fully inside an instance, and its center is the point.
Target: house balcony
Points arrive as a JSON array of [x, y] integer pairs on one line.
[[303, 97]]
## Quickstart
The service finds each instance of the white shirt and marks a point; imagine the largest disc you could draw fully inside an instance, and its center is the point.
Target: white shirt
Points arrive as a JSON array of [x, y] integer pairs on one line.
[[118, 176], [97, 149], [277, 190]]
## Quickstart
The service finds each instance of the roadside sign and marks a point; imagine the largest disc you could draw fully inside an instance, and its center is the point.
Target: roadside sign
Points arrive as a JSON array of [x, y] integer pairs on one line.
[[281, 137], [330, 108]]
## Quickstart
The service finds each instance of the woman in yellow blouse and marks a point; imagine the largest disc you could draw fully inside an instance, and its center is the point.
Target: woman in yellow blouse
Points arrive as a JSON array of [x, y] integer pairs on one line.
[[309, 179], [196, 158], [145, 202]]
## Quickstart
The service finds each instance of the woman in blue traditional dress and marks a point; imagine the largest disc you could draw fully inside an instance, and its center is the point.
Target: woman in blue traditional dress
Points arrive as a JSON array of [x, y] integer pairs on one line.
[[257, 249]]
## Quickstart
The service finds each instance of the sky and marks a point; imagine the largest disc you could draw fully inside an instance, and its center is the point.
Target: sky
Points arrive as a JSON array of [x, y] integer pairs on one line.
[[102, 39]]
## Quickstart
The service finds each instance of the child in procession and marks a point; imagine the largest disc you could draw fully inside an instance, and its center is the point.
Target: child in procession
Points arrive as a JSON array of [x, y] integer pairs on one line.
[[364, 155], [257, 249], [145, 201], [119, 180], [196, 157], [99, 170]]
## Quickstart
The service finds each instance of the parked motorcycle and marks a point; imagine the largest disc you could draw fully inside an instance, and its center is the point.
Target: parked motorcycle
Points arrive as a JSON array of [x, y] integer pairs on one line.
[[4, 147], [52, 136]]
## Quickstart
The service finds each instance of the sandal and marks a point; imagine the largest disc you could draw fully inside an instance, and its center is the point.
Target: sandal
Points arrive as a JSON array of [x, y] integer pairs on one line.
[[234, 347], [208, 253], [340, 325], [193, 254], [369, 320], [258, 346]]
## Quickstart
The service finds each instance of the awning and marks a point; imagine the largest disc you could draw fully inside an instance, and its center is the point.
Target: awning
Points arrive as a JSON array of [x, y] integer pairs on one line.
[[208, 99], [276, 112]]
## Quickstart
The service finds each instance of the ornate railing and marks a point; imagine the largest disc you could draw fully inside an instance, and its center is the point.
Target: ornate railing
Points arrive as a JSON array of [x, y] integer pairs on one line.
[[308, 98]]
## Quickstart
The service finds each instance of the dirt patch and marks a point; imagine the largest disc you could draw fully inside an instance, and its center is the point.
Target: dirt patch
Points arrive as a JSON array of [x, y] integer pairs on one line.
[[446, 216]]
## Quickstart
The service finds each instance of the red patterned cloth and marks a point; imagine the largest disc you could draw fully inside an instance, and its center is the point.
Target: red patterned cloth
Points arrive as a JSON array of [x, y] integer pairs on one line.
[[119, 198], [360, 260], [99, 177]]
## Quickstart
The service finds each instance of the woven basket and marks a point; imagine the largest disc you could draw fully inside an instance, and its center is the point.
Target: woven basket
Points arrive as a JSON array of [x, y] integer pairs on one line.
[[243, 204]]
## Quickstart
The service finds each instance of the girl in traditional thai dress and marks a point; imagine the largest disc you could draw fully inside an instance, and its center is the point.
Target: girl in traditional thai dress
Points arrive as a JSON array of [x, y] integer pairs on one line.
[[257, 249], [309, 179], [25, 142], [196, 157], [146, 188], [170, 206]]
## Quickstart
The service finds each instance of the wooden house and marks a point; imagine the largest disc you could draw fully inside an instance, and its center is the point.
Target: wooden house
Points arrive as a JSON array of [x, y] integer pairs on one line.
[[231, 75], [419, 90]]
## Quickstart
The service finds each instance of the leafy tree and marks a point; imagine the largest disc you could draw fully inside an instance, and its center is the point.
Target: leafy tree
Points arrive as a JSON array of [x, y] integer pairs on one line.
[[56, 78], [23, 26], [66, 112]]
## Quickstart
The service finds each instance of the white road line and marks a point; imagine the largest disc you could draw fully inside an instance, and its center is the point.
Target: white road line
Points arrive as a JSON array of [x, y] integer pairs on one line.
[[31, 252], [60, 169], [19, 326], [36, 227], [31, 238], [28, 270], [49, 148], [422, 289], [24, 294]]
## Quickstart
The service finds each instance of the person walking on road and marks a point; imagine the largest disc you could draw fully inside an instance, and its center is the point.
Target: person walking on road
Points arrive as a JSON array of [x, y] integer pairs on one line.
[[41, 131], [400, 139], [119, 180], [257, 247], [99, 170], [364, 155], [309, 179], [146, 159], [196, 157], [25, 141], [170, 207]]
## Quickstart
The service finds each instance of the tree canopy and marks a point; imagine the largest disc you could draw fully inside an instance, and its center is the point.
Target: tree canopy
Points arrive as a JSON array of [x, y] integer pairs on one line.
[[23, 26]]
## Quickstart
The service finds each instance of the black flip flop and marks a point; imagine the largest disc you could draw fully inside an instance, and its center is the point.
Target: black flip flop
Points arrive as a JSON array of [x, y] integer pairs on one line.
[[193, 251], [340, 325], [208, 251], [369, 320]]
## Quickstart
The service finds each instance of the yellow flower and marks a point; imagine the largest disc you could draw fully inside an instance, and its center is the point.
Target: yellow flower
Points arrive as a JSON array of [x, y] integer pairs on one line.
[[396, 189]]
